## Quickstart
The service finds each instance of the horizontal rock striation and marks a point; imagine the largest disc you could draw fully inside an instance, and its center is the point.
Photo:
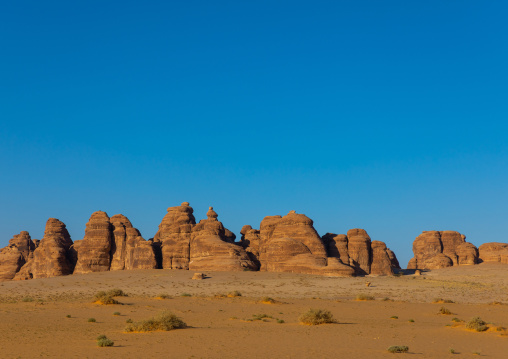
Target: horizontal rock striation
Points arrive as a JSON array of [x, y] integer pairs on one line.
[[441, 249]]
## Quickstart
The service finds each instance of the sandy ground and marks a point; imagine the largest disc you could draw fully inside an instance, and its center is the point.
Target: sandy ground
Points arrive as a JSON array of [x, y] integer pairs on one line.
[[218, 327]]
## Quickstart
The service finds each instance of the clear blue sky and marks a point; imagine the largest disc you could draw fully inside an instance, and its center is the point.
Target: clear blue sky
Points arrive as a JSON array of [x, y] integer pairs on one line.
[[390, 116]]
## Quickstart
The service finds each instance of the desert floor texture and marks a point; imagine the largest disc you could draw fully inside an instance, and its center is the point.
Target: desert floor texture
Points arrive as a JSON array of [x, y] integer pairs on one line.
[[35, 324]]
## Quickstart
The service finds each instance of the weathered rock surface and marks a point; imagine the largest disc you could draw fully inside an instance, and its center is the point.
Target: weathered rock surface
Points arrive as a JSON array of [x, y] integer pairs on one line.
[[15, 255], [94, 253], [494, 252], [357, 250], [129, 250], [441, 249], [211, 248], [51, 257], [250, 242], [174, 236], [291, 244]]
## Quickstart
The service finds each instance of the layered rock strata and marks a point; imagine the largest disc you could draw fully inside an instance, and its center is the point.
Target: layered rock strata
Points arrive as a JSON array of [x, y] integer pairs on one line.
[[441, 249], [15, 255], [51, 257], [494, 252]]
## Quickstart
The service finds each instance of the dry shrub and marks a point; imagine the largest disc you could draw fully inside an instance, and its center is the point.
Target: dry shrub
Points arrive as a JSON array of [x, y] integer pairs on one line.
[[442, 301], [398, 349], [316, 317], [444, 311], [364, 297], [234, 294], [268, 300], [477, 324], [104, 298], [164, 321]]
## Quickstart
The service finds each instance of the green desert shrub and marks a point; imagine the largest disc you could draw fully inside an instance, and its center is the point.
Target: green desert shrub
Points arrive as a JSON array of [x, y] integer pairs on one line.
[[364, 297], [128, 320], [163, 296], [91, 320], [116, 313], [477, 324], [164, 321], [316, 316], [411, 320], [394, 317], [398, 349], [185, 295], [103, 341], [280, 321], [27, 299]]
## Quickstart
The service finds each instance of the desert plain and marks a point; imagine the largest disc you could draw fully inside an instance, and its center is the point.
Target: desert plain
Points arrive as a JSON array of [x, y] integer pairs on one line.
[[49, 317]]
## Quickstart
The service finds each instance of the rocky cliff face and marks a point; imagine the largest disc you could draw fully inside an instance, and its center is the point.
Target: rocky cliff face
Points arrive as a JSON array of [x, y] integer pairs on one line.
[[174, 236], [15, 255], [291, 244], [441, 249], [128, 249], [51, 257], [357, 250], [212, 248]]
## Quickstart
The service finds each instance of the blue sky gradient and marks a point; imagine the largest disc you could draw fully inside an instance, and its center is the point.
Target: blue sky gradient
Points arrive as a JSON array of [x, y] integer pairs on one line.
[[389, 116]]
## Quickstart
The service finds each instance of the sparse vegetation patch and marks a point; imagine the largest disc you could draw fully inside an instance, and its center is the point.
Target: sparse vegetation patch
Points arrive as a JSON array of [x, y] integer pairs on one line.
[[165, 321], [477, 324], [363, 297], [316, 317], [398, 349]]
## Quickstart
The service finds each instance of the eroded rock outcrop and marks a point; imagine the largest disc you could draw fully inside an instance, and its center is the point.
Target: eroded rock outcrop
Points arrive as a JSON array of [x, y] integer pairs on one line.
[[494, 252], [291, 244], [441, 249], [15, 255], [357, 250], [51, 257], [211, 247], [111, 244], [129, 250], [174, 236]]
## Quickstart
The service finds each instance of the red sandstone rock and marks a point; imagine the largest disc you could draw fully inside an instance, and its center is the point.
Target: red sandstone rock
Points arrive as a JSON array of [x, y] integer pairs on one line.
[[494, 252], [129, 250], [211, 249], [15, 255], [94, 253], [51, 257], [435, 249], [250, 242], [291, 244], [381, 263], [359, 245], [174, 236]]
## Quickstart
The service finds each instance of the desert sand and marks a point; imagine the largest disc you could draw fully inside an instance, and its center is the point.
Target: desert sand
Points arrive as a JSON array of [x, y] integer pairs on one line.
[[35, 320]]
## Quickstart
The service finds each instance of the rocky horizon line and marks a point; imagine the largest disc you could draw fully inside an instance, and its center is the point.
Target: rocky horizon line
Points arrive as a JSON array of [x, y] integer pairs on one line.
[[281, 244]]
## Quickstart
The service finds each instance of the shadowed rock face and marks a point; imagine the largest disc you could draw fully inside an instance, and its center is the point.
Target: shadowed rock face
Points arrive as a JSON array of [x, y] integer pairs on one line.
[[174, 235], [441, 249], [51, 257], [494, 252], [15, 255], [250, 242], [129, 250], [364, 256], [211, 248]]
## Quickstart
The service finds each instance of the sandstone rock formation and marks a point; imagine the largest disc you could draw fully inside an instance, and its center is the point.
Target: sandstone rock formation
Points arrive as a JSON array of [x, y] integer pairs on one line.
[[441, 249], [291, 244], [112, 244], [357, 250], [494, 252], [174, 236], [129, 250], [203, 246], [51, 257], [211, 247], [15, 255], [94, 253]]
